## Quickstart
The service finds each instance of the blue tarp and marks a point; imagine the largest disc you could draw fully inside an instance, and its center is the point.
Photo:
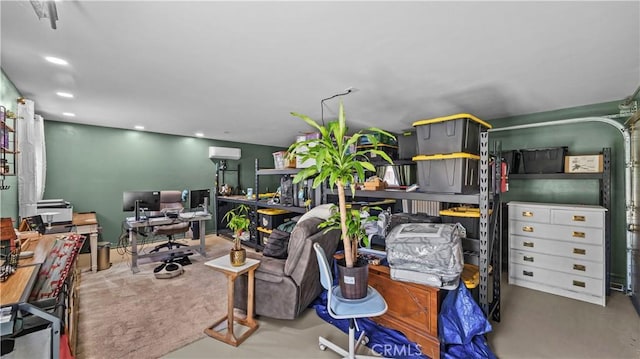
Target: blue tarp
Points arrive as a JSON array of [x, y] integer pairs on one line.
[[462, 327]]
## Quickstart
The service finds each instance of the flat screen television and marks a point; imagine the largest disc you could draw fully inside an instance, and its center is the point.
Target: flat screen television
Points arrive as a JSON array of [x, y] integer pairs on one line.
[[134, 201], [200, 198]]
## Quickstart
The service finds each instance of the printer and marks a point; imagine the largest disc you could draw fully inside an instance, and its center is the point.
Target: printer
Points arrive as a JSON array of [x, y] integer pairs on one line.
[[61, 210]]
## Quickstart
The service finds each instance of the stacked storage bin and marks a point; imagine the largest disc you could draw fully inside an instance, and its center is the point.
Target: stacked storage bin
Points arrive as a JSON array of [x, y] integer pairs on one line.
[[449, 149]]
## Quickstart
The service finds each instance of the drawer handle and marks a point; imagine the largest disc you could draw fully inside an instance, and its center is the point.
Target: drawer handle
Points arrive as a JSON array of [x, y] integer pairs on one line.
[[579, 267], [578, 234], [527, 258], [527, 273], [528, 244], [578, 283], [578, 218], [527, 214], [579, 251], [527, 229]]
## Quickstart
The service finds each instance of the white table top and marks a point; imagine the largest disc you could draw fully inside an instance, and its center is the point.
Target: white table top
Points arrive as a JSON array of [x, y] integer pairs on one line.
[[224, 263]]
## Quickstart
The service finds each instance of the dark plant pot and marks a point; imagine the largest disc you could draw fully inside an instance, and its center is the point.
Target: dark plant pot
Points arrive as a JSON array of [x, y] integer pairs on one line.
[[353, 281], [238, 257]]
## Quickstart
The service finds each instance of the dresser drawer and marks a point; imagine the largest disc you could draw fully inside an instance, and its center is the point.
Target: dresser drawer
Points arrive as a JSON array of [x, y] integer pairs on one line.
[[530, 213], [587, 252], [561, 264], [578, 235], [564, 281], [578, 218]]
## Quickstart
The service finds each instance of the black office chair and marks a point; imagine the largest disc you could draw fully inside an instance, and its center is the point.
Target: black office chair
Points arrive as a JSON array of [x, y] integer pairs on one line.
[[170, 206]]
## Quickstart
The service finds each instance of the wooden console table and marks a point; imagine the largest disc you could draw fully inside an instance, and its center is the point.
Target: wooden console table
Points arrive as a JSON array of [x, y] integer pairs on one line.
[[223, 265], [413, 309]]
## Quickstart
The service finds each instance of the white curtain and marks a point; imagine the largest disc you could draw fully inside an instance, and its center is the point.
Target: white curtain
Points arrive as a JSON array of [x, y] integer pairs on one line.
[[31, 159]]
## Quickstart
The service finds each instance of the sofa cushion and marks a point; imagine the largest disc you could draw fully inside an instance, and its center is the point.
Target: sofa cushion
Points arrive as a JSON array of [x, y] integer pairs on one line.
[[320, 211], [272, 266], [302, 231]]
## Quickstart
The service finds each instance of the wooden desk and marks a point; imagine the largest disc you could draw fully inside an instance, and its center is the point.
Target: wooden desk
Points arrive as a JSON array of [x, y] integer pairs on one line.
[[87, 224], [223, 265]]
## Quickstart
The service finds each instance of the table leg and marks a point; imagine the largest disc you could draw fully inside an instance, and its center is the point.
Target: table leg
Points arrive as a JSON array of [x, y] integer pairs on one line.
[[203, 251], [250, 300], [93, 243], [134, 251], [230, 306]]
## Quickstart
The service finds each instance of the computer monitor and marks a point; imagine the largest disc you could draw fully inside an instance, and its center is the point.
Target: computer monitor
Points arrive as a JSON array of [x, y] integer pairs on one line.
[[134, 201], [200, 198]]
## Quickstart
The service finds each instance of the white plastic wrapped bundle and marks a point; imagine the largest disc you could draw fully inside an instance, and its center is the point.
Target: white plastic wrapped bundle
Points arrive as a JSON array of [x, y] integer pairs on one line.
[[426, 253]]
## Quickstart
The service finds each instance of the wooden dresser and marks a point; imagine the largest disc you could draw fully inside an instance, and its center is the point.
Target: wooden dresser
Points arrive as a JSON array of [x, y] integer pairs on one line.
[[558, 249], [413, 309]]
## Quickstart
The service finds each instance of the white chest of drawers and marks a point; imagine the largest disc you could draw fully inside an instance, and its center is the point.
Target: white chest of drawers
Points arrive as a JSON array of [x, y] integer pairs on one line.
[[559, 249]]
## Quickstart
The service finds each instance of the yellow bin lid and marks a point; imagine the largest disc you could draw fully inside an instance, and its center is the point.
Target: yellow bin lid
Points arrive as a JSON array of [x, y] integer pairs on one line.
[[470, 275], [264, 230], [447, 156], [458, 116], [468, 212], [272, 211]]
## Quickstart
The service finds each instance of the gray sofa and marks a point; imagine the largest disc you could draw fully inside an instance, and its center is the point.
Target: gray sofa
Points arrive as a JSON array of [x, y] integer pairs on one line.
[[284, 288]]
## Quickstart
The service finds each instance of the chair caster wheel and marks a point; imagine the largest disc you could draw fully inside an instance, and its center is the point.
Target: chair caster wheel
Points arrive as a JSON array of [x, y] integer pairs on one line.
[[323, 347]]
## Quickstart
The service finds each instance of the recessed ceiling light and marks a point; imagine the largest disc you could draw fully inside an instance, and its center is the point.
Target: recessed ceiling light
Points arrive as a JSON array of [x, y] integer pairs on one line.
[[199, 134], [138, 127], [64, 94], [69, 114], [56, 60]]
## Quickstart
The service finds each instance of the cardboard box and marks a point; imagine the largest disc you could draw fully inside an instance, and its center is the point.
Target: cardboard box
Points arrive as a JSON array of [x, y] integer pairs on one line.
[[584, 164]]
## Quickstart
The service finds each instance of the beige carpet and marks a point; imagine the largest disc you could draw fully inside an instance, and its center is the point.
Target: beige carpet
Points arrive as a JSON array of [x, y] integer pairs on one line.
[[125, 315]]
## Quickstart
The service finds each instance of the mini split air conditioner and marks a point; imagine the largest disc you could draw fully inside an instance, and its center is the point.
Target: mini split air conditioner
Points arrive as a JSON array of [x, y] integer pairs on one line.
[[224, 153]]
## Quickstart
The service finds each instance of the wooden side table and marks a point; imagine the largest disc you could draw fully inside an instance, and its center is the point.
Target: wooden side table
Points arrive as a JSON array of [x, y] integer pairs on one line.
[[223, 265]]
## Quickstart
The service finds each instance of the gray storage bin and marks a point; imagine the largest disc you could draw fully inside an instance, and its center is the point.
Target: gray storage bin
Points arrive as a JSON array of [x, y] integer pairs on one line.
[[456, 133], [407, 145], [452, 173]]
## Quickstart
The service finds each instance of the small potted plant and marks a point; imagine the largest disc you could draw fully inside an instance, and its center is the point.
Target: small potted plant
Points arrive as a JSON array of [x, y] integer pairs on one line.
[[238, 221]]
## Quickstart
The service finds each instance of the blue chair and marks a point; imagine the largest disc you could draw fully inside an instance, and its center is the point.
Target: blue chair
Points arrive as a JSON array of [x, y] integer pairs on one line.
[[340, 308]]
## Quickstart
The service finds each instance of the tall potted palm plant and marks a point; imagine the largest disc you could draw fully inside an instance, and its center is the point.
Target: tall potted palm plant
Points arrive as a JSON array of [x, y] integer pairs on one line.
[[340, 162], [238, 221]]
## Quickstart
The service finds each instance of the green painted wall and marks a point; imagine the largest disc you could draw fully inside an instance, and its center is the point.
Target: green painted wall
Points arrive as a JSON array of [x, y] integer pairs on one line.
[[583, 138], [91, 166], [9, 198]]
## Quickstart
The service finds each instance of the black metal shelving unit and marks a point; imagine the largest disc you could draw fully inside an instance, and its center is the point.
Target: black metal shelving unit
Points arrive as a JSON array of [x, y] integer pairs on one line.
[[490, 234]]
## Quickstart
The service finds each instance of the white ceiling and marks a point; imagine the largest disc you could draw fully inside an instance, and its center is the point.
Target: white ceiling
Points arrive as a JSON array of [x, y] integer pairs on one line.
[[235, 70]]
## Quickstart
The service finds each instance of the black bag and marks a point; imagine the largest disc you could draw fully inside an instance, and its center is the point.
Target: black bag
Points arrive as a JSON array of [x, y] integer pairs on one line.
[[286, 191], [277, 244]]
